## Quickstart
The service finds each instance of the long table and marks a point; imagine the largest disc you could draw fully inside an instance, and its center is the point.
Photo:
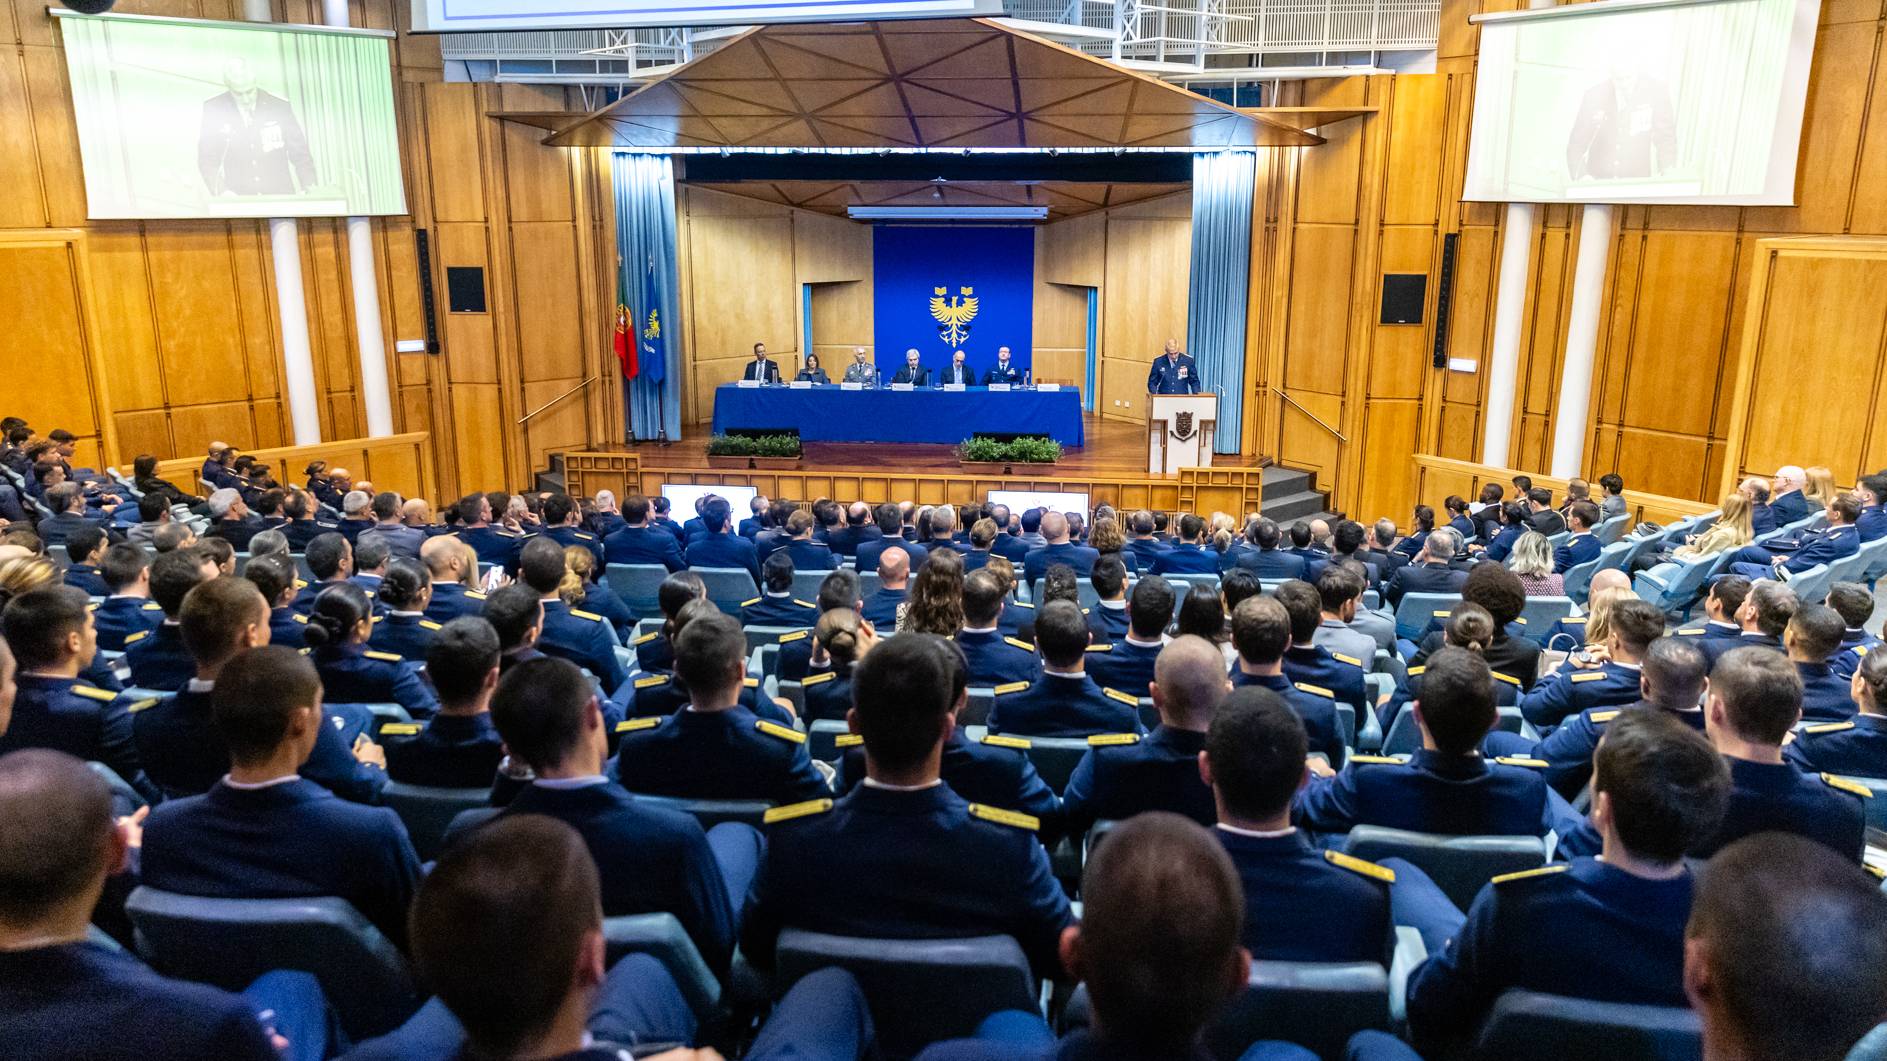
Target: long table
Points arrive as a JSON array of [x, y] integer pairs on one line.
[[832, 414]]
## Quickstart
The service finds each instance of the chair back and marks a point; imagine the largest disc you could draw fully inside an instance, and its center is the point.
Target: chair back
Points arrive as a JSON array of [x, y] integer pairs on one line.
[[795, 694], [639, 586], [1540, 613], [728, 586], [976, 707], [1459, 865], [1317, 1005], [806, 584], [1610, 528], [231, 942], [661, 937], [428, 812], [1812, 585], [920, 990], [767, 635], [1055, 758], [712, 812], [822, 736], [1416, 610], [1557, 1028]]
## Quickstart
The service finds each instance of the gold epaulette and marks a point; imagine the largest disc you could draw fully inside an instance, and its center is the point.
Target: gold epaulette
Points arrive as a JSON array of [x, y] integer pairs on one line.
[[1586, 676], [132, 639], [815, 679], [751, 683], [472, 594], [1522, 760], [141, 705], [1116, 694], [400, 729], [590, 616], [997, 740], [1341, 658], [1010, 687], [631, 725], [1508, 678], [1025, 646], [1413, 671], [1110, 740], [645, 638], [1528, 874], [652, 681], [1363, 866], [775, 815], [797, 635], [101, 695], [1828, 727], [1006, 817], [428, 624], [805, 603], [384, 657], [1314, 690], [774, 729], [750, 603], [1374, 759], [1842, 784], [848, 740], [1602, 717]]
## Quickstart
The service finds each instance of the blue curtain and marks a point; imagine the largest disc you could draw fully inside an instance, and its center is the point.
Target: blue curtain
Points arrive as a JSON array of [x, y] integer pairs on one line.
[[1223, 185], [645, 233]]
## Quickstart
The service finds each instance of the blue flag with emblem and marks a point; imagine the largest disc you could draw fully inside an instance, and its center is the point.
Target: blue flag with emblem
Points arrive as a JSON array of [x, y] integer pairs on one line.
[[650, 345], [947, 288]]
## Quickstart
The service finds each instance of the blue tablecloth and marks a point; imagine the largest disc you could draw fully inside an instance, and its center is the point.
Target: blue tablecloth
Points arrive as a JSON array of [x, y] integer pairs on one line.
[[828, 414]]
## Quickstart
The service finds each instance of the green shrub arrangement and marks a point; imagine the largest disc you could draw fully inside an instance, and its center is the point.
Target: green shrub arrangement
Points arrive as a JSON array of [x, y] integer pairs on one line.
[[753, 446], [1028, 450]]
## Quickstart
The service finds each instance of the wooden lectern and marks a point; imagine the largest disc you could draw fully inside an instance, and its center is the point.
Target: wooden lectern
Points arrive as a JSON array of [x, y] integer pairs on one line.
[[1179, 431]]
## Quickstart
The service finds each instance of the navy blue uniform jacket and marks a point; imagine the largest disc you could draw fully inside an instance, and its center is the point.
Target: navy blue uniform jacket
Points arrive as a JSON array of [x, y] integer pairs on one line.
[[731, 754], [1305, 905], [1159, 772]]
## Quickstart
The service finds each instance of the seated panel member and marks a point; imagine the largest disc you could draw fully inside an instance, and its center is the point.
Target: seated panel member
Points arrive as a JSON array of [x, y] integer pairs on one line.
[[1128, 664], [1858, 746], [913, 372], [639, 542], [761, 369], [450, 563], [716, 748], [158, 659], [810, 371], [1160, 771], [1301, 905], [1174, 372], [63, 996], [776, 605], [178, 737], [958, 371], [265, 833], [351, 673], [1609, 928], [1632, 626], [1064, 701], [1261, 632], [581, 637], [459, 747], [1003, 371], [861, 370], [128, 608], [1813, 635], [993, 659], [902, 856], [1446, 786]]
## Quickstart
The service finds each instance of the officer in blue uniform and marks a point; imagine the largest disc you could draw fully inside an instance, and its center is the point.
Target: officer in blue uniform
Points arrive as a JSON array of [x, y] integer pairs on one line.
[[404, 634], [1552, 929], [404, 630], [993, 658], [1581, 517], [581, 637], [1813, 635], [807, 554], [1613, 683], [1308, 663], [352, 673], [157, 658], [890, 536], [86, 547], [1187, 555], [274, 578], [994, 771], [494, 545], [1430, 571], [1064, 701], [1127, 664], [903, 856], [1837, 541], [560, 526], [894, 591], [719, 546], [661, 695], [716, 749], [828, 695], [640, 542], [776, 605], [1174, 372], [330, 559], [1058, 550], [1261, 632], [1761, 618], [1446, 787], [128, 607], [460, 746], [1122, 775], [838, 590], [1855, 604], [1109, 618], [453, 600], [1003, 371]]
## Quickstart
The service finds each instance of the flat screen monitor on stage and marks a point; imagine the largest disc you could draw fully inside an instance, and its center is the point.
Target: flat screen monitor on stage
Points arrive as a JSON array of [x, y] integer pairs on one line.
[[459, 16], [1020, 501], [683, 498], [185, 118]]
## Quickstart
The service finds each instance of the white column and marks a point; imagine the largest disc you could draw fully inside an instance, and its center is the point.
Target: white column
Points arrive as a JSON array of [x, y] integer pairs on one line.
[[1582, 340], [1503, 358], [291, 304], [375, 396]]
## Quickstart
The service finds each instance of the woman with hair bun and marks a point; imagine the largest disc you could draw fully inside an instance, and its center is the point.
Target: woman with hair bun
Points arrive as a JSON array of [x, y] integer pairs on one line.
[[841, 638], [404, 631], [338, 629]]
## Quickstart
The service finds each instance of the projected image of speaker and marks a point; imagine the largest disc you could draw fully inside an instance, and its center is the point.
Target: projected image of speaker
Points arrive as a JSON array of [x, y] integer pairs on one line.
[[90, 7]]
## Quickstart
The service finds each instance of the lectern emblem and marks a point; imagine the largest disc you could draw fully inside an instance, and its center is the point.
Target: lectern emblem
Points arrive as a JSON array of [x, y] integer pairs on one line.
[[1182, 427]]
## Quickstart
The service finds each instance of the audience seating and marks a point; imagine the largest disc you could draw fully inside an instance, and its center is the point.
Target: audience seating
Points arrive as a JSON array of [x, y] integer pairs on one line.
[[1460, 865], [728, 586], [763, 636], [712, 812], [920, 991], [662, 937], [806, 584], [1610, 530], [822, 735], [1317, 1005], [1055, 758], [1675, 587], [1540, 613], [1404, 736], [1579, 576], [1416, 610], [978, 701], [795, 694], [1557, 1028], [637, 585], [428, 811], [231, 942], [1811, 586]]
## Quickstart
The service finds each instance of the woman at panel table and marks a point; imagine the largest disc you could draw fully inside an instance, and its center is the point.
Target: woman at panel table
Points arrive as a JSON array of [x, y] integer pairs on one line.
[[810, 372]]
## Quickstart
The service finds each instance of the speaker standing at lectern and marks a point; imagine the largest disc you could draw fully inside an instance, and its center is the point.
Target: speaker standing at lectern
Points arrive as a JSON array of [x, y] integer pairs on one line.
[[1174, 372], [761, 368]]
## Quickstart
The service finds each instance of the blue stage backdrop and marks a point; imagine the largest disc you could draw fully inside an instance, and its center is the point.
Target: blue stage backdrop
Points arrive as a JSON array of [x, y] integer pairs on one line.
[[945, 288]]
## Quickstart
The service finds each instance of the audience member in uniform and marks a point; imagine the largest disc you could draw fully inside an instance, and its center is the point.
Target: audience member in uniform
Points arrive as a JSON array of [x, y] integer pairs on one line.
[[351, 673], [64, 996], [640, 542], [1854, 602], [581, 637], [839, 641], [1064, 701], [1612, 681], [405, 591], [265, 832], [460, 746], [274, 577], [1813, 635], [1127, 664], [887, 604], [1311, 667], [1340, 590], [1785, 955], [1261, 632], [1161, 770], [776, 605], [1057, 548], [127, 608], [1761, 619], [158, 659], [450, 564], [655, 651], [1857, 746], [993, 659], [85, 547], [902, 856], [718, 545], [1187, 554], [1608, 928], [1503, 594]]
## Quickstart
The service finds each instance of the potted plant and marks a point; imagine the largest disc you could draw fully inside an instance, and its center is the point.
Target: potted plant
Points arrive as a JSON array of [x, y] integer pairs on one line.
[[779, 451], [1030, 453]]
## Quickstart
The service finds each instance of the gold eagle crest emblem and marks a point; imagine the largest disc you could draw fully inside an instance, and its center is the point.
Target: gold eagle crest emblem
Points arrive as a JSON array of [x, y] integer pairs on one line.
[[953, 314]]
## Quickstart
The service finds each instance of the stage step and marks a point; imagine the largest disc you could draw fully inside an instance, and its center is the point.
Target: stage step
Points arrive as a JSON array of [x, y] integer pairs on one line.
[[551, 479], [1291, 494]]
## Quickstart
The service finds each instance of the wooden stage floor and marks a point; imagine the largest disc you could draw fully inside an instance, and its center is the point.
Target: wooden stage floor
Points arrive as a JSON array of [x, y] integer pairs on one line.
[[1113, 448]]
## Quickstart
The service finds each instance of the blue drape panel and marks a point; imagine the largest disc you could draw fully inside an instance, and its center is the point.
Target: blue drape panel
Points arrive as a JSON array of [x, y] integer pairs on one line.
[[1223, 184], [645, 232]]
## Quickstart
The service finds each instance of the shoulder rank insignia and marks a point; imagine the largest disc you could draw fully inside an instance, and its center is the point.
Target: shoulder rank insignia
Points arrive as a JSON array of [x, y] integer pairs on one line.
[[1859, 650], [997, 740], [1010, 687], [1006, 817], [1828, 727], [375, 619], [1375, 759], [585, 537], [1413, 671], [805, 603], [1314, 690], [775, 815], [1522, 760], [774, 729], [1521, 619], [1680, 633], [816, 679], [848, 740], [1116, 694], [1528, 874], [400, 729], [1875, 871], [797, 635], [132, 639], [1842, 784], [751, 683], [1586, 676], [302, 619], [141, 705], [472, 594], [384, 657], [652, 681], [631, 725], [428, 624], [1442, 613], [1105, 646], [1026, 647], [750, 603], [1341, 658], [581, 614], [1363, 866], [1018, 604], [1508, 678], [1602, 717], [101, 695], [1112, 740], [91, 606], [646, 638], [153, 606], [1580, 620]]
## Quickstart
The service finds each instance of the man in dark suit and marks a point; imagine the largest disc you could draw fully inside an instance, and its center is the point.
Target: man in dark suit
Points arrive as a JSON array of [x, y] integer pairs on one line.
[[1786, 500], [858, 530], [720, 546], [1431, 574], [913, 371], [959, 372], [1059, 550], [1175, 372], [889, 537], [761, 369], [1268, 560], [250, 142], [639, 543], [68, 514], [1541, 515]]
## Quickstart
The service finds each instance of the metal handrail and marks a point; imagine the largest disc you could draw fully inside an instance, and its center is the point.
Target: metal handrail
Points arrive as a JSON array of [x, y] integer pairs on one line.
[[1341, 437], [593, 378]]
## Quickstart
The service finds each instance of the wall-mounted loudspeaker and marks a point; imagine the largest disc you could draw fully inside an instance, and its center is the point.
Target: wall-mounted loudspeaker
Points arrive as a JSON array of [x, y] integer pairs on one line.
[[1402, 297], [465, 288], [423, 248], [1444, 296]]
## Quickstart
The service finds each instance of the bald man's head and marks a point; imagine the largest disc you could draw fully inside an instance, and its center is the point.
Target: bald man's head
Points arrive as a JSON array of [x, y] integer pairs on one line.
[[443, 558], [1188, 683], [894, 566], [1610, 578], [1054, 527]]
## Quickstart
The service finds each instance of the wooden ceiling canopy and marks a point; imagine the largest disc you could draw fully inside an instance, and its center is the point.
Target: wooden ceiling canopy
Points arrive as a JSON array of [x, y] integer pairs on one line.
[[1062, 198], [945, 83]]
